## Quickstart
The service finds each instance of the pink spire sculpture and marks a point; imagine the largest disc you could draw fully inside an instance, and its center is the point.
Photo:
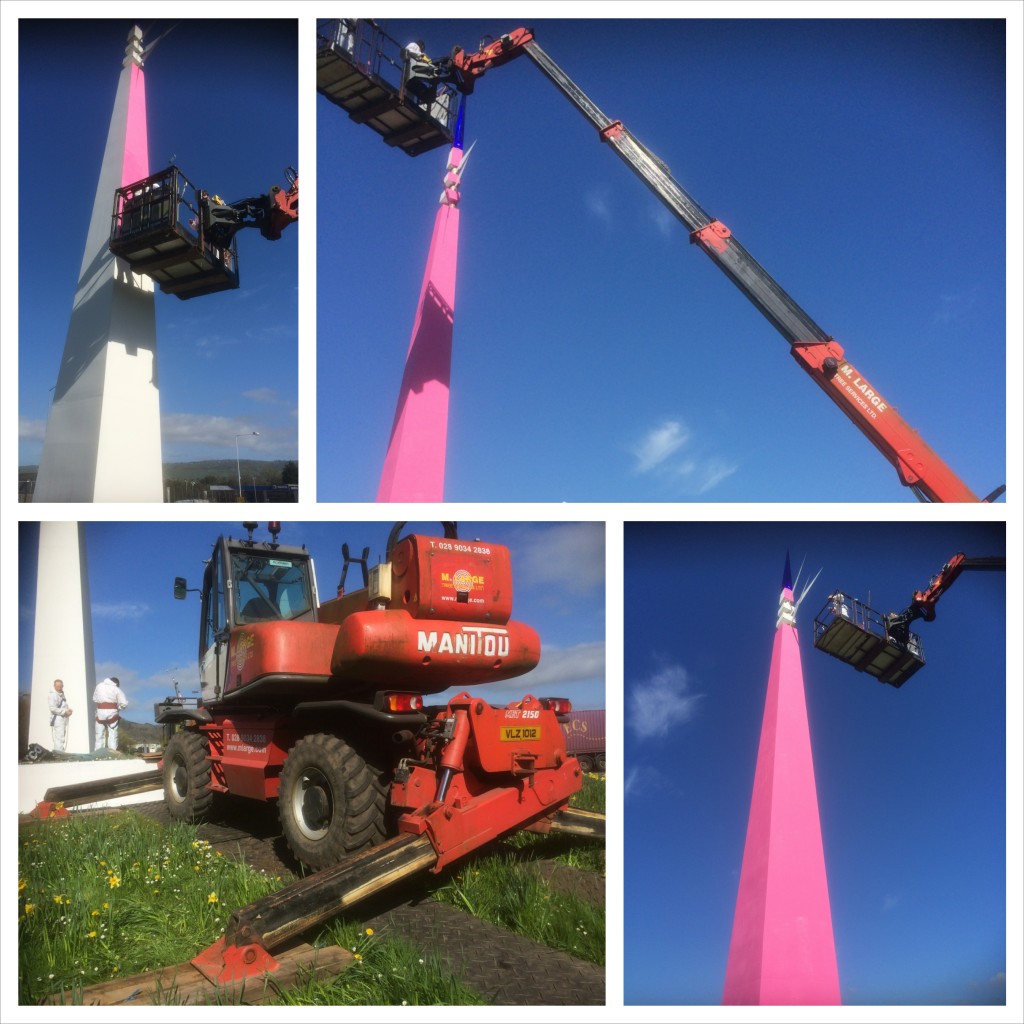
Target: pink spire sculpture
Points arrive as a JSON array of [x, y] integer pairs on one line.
[[782, 950], [414, 464]]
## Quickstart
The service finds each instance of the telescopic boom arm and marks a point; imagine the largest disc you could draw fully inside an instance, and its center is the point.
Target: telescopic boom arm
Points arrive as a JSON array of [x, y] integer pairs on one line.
[[817, 352], [271, 212], [922, 605]]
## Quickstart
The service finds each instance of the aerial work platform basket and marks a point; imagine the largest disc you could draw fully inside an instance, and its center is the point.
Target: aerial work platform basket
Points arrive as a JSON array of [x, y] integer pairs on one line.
[[157, 228], [856, 634], [361, 69]]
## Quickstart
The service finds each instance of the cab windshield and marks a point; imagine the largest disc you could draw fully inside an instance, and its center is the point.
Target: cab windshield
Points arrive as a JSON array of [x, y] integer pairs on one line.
[[268, 587]]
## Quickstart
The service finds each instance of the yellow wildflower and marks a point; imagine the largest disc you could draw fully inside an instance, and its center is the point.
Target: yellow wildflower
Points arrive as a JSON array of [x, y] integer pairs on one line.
[[29, 908], [94, 913], [115, 881], [369, 931], [92, 934], [212, 898], [22, 884]]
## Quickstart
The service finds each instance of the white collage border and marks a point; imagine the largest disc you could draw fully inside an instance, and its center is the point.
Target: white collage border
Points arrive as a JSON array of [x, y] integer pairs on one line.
[[615, 515]]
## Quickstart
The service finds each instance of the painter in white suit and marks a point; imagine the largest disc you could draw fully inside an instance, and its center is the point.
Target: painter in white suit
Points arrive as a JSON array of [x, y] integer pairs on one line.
[[60, 711], [110, 701]]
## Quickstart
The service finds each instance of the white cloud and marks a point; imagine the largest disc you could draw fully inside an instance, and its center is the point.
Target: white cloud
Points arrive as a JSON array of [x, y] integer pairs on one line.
[[266, 395], [659, 703], [642, 779], [671, 451], [210, 345], [566, 556], [203, 429], [714, 471], [663, 441], [561, 666], [662, 219], [219, 432], [955, 307], [31, 430], [121, 610], [598, 205]]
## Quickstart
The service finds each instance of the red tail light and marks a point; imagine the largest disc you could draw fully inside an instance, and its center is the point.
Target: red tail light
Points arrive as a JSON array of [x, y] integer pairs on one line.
[[397, 702], [560, 705]]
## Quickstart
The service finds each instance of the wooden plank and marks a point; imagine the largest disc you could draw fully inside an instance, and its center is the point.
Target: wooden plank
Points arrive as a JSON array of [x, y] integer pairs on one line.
[[572, 821], [280, 918], [102, 789], [183, 985]]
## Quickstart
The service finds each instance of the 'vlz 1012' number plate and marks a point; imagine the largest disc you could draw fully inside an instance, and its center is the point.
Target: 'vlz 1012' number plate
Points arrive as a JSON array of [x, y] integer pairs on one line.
[[514, 733]]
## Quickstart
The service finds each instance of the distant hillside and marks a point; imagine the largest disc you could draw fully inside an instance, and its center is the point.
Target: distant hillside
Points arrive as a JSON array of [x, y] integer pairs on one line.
[[131, 733], [265, 470], [268, 470], [192, 481]]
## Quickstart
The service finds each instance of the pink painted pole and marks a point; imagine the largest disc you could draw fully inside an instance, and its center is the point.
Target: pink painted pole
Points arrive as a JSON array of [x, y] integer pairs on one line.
[[783, 950], [135, 166], [414, 464]]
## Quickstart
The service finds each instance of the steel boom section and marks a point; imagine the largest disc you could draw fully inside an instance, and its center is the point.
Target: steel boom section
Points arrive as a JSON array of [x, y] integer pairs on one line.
[[918, 466]]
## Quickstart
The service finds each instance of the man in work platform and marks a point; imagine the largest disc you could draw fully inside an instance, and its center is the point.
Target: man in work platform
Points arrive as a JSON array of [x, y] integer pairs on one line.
[[60, 711], [110, 701]]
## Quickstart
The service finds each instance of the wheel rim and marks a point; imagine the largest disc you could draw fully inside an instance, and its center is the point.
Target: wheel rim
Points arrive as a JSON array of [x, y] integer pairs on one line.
[[179, 781], [313, 804]]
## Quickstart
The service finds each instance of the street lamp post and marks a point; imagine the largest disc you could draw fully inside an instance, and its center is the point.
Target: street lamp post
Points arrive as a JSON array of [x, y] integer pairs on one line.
[[238, 463]]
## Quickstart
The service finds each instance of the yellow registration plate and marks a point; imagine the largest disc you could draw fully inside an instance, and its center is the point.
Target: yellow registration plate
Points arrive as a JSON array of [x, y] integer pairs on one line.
[[515, 733]]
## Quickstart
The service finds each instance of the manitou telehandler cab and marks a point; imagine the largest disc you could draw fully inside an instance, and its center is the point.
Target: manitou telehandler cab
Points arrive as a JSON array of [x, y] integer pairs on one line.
[[322, 706]]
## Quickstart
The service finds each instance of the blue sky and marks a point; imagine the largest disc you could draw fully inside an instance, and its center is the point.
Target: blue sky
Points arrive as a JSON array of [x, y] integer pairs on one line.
[[147, 639], [911, 782], [222, 101], [597, 355]]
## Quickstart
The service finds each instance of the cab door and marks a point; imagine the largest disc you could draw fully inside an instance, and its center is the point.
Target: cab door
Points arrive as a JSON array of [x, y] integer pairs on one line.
[[214, 634]]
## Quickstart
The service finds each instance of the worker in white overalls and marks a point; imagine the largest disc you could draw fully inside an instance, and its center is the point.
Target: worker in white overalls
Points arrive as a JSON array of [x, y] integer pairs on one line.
[[60, 711], [110, 701]]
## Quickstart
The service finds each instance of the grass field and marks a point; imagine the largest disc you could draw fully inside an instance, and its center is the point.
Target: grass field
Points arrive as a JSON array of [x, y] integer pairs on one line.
[[103, 896]]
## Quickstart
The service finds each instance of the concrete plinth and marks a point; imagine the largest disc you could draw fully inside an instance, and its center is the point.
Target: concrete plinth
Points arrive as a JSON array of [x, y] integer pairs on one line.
[[35, 779]]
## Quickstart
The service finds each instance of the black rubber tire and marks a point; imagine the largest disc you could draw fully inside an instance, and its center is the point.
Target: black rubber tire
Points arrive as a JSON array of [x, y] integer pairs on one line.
[[187, 790], [586, 762], [331, 802], [600, 762]]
